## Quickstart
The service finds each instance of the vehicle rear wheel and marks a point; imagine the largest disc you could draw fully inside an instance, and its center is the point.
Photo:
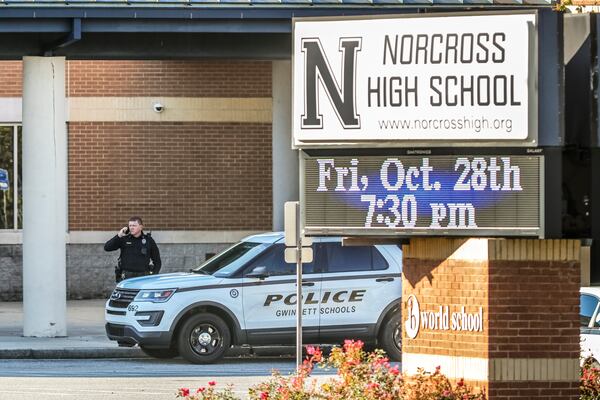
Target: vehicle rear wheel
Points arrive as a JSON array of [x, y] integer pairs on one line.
[[591, 362], [160, 353], [203, 338], [390, 337]]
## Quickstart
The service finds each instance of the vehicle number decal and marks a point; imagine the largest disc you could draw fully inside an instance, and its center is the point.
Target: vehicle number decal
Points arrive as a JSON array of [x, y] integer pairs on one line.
[[132, 307]]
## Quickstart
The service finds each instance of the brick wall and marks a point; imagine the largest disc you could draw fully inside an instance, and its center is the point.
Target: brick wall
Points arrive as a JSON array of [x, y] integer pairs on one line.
[[177, 176], [531, 390], [455, 284], [170, 78], [11, 78], [90, 269], [194, 175], [153, 78], [529, 291], [535, 314]]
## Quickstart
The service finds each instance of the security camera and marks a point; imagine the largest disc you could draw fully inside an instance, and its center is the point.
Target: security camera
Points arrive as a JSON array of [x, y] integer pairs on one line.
[[158, 107]]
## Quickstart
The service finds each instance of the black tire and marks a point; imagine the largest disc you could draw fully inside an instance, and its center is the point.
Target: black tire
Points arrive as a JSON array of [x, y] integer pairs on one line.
[[160, 353], [390, 337], [591, 362], [203, 338]]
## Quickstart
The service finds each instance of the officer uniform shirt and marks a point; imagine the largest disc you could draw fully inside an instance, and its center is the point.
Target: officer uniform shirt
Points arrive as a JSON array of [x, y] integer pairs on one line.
[[136, 253]]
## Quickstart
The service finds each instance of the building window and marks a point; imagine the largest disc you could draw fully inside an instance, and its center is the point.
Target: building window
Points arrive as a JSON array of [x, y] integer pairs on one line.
[[11, 198]]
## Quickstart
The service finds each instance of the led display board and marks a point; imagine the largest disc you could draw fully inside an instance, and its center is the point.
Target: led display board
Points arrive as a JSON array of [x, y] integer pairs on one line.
[[461, 195], [444, 78]]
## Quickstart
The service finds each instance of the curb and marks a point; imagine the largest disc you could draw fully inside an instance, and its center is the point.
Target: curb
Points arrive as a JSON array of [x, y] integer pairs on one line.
[[130, 352], [72, 353]]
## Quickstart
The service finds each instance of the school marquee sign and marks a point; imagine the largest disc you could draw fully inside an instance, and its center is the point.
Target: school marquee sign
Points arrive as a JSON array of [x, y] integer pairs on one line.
[[413, 78]]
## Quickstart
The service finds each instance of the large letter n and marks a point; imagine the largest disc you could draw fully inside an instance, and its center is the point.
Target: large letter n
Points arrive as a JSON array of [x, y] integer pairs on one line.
[[318, 71]]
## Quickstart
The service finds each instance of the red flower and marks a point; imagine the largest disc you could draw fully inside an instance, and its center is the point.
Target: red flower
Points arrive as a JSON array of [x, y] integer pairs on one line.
[[460, 383], [184, 392], [372, 385], [212, 383], [201, 389], [381, 361], [264, 395], [310, 350]]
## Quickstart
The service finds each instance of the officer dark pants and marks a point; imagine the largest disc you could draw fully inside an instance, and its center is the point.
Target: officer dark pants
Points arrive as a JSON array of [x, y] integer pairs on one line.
[[130, 274]]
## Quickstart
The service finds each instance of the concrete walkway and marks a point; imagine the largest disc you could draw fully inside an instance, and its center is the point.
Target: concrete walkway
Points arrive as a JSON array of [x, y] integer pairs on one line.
[[86, 336], [85, 328]]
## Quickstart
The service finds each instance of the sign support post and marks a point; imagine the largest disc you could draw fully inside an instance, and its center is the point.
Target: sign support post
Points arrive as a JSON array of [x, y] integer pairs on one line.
[[293, 239], [296, 254], [298, 289]]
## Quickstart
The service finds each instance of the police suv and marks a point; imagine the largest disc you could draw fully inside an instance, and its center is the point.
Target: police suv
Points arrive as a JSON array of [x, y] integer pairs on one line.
[[246, 295]]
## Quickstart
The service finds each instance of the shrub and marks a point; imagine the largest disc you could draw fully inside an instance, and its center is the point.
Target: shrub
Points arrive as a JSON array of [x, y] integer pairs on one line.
[[589, 382], [436, 386], [208, 393], [360, 376], [295, 387]]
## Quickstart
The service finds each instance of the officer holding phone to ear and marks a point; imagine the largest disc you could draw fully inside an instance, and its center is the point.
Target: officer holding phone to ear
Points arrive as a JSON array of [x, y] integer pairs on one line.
[[139, 252]]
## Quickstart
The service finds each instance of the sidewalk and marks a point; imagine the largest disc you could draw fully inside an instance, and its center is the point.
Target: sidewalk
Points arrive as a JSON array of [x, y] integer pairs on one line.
[[85, 329], [86, 336]]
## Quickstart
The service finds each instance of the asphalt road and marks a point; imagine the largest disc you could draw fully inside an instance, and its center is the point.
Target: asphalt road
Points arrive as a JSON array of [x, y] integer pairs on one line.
[[102, 379], [143, 367], [109, 388]]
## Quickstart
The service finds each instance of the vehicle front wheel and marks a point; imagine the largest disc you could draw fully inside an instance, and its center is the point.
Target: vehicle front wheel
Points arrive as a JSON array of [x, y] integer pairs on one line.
[[203, 338], [390, 337], [160, 353]]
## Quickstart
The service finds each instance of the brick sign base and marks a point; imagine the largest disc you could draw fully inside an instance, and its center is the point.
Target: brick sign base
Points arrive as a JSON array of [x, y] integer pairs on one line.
[[501, 313]]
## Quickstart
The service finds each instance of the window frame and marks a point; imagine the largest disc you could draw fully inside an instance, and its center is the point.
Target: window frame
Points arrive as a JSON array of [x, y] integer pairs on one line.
[[15, 181]]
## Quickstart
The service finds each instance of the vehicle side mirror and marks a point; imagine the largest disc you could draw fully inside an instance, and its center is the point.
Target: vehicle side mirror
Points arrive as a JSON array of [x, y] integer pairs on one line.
[[258, 272]]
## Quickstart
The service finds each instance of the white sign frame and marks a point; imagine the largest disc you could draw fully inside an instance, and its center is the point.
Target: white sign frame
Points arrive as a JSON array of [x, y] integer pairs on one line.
[[359, 44]]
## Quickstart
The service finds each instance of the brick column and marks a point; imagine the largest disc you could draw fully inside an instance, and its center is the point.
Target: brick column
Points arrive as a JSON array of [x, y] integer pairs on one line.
[[501, 313]]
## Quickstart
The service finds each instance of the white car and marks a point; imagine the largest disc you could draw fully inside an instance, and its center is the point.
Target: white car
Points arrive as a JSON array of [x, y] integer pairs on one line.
[[590, 324], [246, 295]]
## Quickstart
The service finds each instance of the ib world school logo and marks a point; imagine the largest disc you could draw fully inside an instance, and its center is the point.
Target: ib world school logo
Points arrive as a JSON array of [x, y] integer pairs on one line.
[[411, 325]]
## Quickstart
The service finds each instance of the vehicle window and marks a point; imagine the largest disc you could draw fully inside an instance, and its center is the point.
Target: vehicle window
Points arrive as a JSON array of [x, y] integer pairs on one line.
[[379, 262], [231, 259], [588, 305], [274, 260], [353, 258]]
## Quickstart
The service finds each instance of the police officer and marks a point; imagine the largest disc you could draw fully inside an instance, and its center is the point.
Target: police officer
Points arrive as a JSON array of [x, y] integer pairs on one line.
[[137, 250]]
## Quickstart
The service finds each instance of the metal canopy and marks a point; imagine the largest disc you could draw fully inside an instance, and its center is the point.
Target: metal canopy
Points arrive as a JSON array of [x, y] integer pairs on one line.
[[257, 29]]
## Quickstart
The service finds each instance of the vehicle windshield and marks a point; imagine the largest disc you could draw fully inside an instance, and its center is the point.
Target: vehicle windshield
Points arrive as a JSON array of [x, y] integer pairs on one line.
[[227, 262]]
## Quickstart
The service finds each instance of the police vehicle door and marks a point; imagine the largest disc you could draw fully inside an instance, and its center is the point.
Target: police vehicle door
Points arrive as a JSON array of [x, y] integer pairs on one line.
[[270, 302], [352, 298]]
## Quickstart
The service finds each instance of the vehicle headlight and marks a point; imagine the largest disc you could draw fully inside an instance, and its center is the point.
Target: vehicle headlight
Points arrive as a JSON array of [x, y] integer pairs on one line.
[[155, 296]]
